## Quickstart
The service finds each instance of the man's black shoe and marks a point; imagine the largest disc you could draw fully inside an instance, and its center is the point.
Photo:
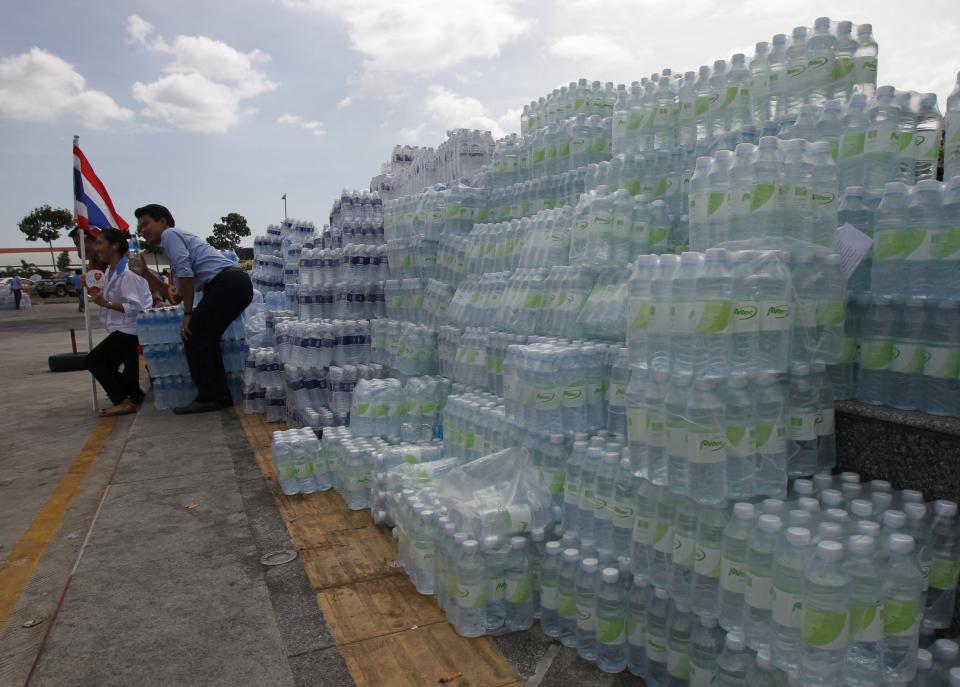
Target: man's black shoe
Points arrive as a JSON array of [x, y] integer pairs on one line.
[[198, 407]]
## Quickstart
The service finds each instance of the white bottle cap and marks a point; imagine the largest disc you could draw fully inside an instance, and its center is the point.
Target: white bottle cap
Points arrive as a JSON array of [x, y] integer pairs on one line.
[[769, 523], [955, 676], [571, 555], [803, 487], [945, 509], [861, 544], [517, 543], [590, 565], [911, 496], [880, 485], [641, 580], [763, 661], [553, 548], [661, 593], [743, 511], [832, 498], [945, 651], [830, 551], [735, 641], [681, 605], [850, 477], [799, 518], [924, 659], [837, 515], [426, 515], [901, 543], [537, 534], [772, 506], [861, 508], [470, 546], [798, 536], [610, 575], [895, 519], [915, 511], [809, 504]]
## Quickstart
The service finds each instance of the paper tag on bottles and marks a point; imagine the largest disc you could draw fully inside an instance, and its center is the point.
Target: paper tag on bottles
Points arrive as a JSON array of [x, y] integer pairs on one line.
[[852, 245]]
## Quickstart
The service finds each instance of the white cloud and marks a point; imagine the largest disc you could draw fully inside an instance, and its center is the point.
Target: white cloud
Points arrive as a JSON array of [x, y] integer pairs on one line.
[[39, 86], [138, 29], [203, 84], [345, 102], [313, 126], [423, 36], [449, 110], [596, 47]]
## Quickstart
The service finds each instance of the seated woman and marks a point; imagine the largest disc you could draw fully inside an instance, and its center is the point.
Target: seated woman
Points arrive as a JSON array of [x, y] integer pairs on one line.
[[124, 295]]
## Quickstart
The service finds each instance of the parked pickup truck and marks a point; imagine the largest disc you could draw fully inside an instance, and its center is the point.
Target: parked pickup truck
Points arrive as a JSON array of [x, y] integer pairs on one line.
[[58, 285]]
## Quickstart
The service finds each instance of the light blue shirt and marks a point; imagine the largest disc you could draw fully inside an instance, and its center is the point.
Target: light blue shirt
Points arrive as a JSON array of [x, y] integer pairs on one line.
[[15, 283], [191, 256]]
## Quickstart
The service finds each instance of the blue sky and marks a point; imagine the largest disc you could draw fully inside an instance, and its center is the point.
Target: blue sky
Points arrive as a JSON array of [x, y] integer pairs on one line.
[[212, 107]]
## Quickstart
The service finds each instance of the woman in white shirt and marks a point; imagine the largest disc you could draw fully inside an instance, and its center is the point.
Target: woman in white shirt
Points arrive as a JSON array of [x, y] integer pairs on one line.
[[124, 295]]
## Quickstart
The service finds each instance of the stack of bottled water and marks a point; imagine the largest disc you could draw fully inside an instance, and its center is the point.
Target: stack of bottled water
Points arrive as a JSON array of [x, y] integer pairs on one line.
[[461, 157], [747, 311], [388, 407], [780, 188], [300, 466], [357, 218], [406, 348], [158, 330]]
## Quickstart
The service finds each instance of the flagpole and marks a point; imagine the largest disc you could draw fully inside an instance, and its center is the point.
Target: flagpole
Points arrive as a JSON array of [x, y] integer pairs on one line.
[[83, 287]]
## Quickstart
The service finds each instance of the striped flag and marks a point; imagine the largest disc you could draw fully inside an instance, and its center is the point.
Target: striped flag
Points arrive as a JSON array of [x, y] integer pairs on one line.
[[92, 204]]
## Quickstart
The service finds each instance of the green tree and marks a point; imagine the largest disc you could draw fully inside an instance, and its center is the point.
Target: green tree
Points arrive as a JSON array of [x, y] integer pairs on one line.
[[45, 224], [63, 261], [228, 232]]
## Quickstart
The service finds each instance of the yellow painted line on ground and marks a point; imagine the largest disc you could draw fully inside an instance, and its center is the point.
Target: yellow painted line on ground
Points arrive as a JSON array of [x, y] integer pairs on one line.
[[23, 559]]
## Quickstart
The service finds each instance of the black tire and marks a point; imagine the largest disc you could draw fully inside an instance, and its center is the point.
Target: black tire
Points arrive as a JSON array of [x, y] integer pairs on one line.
[[60, 290], [67, 362]]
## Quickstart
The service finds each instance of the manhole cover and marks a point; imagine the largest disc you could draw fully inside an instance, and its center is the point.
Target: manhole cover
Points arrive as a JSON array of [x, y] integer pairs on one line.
[[279, 557]]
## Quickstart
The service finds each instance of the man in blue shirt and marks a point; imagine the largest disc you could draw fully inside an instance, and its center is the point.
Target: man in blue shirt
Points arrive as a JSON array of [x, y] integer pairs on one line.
[[17, 290], [227, 291], [77, 282]]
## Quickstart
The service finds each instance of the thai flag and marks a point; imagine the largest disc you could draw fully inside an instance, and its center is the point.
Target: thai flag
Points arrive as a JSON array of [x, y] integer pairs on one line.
[[92, 204]]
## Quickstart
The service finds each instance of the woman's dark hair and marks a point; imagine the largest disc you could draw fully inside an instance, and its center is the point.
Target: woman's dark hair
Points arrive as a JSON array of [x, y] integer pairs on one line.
[[156, 212], [117, 238]]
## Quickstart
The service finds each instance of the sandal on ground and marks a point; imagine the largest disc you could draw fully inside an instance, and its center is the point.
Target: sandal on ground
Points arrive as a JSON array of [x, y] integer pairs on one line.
[[126, 407]]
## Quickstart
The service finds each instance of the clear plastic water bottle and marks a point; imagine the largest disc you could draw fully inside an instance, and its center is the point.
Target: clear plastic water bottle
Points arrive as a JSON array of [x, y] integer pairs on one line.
[[586, 602], [638, 309], [734, 662], [519, 586], [706, 643], [684, 311], [624, 507], [788, 569], [902, 598], [944, 564], [642, 557], [658, 610], [637, 420], [705, 594], [941, 358], [825, 622], [770, 432], [928, 138], [772, 286], [759, 592], [802, 427], [712, 316], [495, 553], [638, 598], [866, 613], [951, 144], [605, 500], [887, 276], [677, 433], [663, 538], [679, 626], [876, 350], [661, 302], [654, 398], [733, 573], [856, 211], [611, 623], [471, 591], [706, 444], [567, 597], [549, 572]]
